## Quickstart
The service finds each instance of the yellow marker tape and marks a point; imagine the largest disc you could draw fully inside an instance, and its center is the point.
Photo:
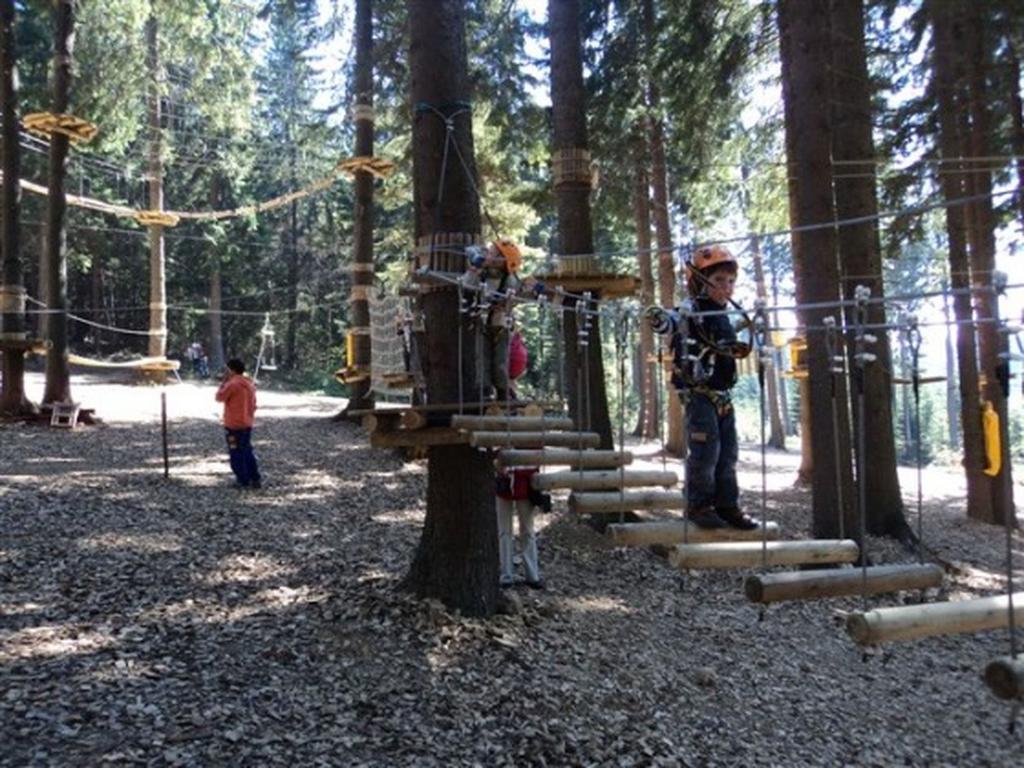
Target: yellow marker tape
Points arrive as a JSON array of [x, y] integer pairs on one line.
[[993, 447]]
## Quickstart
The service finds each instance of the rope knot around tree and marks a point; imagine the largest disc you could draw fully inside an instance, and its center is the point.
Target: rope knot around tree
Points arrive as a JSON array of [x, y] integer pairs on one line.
[[376, 166]]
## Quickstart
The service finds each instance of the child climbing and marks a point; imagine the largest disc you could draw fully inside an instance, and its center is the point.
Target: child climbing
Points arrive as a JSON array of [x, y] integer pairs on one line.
[[704, 352]]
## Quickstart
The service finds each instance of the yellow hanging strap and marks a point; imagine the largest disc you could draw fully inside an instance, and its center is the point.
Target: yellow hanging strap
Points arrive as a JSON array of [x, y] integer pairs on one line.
[[350, 349], [993, 448], [48, 123], [377, 166]]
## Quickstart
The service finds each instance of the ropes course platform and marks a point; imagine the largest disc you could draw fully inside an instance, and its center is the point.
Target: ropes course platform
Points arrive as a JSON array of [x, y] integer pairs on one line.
[[671, 532], [840, 582], [610, 286], [754, 554]]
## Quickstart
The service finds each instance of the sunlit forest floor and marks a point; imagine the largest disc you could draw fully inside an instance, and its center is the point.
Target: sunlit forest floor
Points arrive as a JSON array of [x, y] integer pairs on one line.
[[182, 622]]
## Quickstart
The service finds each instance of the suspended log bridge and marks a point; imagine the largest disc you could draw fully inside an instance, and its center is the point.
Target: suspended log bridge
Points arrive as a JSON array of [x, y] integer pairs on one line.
[[840, 582], [753, 554], [588, 503], [602, 480], [911, 622], [671, 532], [534, 439], [563, 456], [512, 423]]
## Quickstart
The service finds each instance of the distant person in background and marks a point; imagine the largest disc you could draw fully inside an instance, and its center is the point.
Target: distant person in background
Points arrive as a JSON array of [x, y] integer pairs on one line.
[[238, 393]]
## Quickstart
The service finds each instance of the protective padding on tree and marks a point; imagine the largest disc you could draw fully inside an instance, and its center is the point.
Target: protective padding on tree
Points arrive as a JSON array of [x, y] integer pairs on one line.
[[993, 447]]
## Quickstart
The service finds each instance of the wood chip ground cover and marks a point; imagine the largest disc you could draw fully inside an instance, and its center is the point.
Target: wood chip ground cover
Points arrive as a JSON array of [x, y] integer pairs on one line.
[[179, 622]]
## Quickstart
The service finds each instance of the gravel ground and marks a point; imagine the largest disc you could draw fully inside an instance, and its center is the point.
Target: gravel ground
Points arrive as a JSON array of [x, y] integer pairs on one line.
[[180, 622]]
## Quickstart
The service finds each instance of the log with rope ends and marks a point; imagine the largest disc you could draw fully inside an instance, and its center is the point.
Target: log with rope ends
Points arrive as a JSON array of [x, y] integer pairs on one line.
[[1005, 678], [839, 582], [602, 480], [563, 456], [513, 423], [912, 622], [671, 532], [512, 439], [594, 502], [753, 554]]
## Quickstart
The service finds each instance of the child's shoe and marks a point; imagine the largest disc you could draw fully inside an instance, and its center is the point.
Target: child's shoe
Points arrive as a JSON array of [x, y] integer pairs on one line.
[[706, 517], [736, 518]]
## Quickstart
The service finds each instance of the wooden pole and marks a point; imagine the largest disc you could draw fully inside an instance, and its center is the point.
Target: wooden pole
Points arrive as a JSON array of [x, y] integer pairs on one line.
[[512, 423], [910, 622], [598, 480], [592, 502], [534, 439], [568, 456], [838, 582], [1005, 677], [749, 554], [163, 432], [672, 532]]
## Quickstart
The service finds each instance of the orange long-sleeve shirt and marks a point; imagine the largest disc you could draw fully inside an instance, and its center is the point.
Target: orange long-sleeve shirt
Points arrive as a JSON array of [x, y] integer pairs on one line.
[[239, 397]]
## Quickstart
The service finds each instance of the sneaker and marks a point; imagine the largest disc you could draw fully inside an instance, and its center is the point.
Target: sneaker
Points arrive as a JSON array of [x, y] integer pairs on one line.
[[538, 584], [736, 518], [706, 517]]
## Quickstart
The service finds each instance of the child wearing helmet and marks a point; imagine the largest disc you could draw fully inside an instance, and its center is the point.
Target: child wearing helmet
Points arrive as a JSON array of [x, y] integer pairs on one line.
[[704, 351]]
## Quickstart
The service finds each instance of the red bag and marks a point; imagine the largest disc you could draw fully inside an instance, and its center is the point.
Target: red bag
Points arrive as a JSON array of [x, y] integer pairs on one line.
[[517, 356]]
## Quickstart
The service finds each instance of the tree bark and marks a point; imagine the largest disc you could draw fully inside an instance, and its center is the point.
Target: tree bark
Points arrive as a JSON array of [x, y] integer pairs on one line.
[[860, 254], [982, 239], [646, 420], [157, 260], [945, 46], [362, 276], [585, 383], [58, 374], [804, 37], [457, 557], [13, 401], [1017, 118]]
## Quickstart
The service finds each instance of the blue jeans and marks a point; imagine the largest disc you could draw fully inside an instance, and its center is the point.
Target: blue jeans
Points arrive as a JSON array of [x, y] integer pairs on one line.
[[243, 460], [711, 464]]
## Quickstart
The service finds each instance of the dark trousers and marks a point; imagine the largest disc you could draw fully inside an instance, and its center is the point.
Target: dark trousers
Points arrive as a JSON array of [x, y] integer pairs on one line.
[[714, 450], [242, 457]]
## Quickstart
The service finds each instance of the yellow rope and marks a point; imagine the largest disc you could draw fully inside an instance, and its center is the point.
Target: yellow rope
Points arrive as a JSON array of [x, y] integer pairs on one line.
[[377, 166], [47, 123], [157, 218]]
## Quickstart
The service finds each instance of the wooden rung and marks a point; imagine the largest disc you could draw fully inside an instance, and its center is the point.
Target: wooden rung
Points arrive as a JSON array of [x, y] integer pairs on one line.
[[551, 456], [591, 502], [839, 582], [670, 532], [1005, 677], [748, 554], [412, 438], [513, 423], [910, 622], [534, 439], [602, 480]]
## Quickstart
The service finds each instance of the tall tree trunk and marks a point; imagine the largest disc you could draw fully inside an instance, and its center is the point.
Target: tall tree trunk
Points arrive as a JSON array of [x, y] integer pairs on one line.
[[952, 401], [860, 254], [157, 261], [804, 38], [646, 423], [982, 239], [674, 441], [13, 401], [1017, 118], [291, 330], [945, 46], [362, 236], [588, 399], [457, 557], [216, 347], [58, 375]]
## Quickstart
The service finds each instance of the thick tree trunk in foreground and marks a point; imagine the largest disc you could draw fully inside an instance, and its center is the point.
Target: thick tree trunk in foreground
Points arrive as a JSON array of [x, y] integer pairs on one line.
[[804, 36], [457, 557], [13, 401], [860, 255], [58, 375], [585, 384]]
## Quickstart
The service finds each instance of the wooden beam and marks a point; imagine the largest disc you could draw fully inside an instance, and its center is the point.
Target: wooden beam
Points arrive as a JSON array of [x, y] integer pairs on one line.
[[602, 479], [411, 438], [1005, 677], [413, 420], [910, 622], [749, 554], [552, 456], [839, 582], [670, 532], [611, 286], [382, 421], [513, 423], [592, 502], [534, 439]]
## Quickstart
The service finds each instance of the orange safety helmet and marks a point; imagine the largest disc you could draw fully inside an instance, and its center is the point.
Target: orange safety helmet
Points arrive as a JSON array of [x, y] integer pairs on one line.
[[710, 256], [511, 253]]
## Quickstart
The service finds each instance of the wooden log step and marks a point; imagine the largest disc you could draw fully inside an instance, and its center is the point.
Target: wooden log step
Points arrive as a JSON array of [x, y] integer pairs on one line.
[[670, 532], [534, 439], [603, 479], [1005, 677], [911, 622], [839, 582], [513, 423], [748, 554], [414, 438], [593, 502], [550, 456]]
